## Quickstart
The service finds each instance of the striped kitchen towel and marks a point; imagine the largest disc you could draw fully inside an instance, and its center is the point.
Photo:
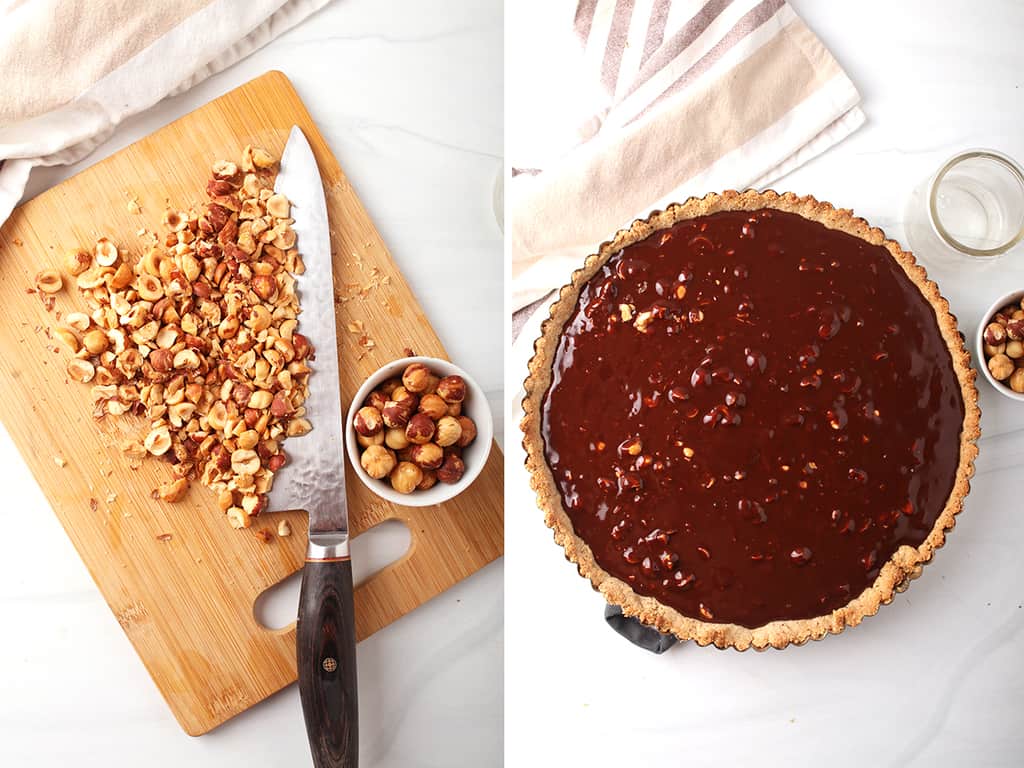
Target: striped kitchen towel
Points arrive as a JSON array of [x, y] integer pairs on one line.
[[74, 69], [620, 107]]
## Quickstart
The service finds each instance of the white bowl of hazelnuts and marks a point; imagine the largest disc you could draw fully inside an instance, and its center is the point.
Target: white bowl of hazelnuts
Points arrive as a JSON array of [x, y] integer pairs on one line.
[[1000, 345], [418, 431]]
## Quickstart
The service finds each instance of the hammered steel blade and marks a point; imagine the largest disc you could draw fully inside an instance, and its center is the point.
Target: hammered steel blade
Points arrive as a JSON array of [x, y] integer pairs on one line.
[[314, 477]]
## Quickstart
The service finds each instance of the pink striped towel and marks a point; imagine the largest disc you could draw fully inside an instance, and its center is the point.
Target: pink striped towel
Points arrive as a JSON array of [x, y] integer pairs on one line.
[[664, 99]]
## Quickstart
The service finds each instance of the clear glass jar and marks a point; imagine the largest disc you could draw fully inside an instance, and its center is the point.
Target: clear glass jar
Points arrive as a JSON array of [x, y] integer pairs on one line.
[[971, 208]]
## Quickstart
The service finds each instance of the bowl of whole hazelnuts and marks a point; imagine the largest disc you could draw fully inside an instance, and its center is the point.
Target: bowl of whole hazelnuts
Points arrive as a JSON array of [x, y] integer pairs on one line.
[[1000, 345], [418, 431]]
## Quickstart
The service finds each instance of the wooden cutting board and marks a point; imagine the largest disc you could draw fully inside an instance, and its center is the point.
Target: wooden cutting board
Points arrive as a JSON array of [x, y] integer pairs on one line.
[[186, 602]]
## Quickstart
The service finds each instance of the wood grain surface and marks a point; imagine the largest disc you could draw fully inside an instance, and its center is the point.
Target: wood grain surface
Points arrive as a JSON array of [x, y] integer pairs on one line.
[[180, 581]]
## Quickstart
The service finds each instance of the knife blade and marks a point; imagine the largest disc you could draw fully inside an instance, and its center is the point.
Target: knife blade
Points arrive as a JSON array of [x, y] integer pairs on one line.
[[314, 480]]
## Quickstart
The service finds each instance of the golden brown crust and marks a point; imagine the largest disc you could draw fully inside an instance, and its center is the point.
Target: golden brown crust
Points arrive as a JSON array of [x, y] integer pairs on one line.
[[895, 576]]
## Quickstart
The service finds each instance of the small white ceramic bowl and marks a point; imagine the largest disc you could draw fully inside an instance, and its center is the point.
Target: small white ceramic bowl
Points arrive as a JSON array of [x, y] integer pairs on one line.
[[474, 455], [979, 344]]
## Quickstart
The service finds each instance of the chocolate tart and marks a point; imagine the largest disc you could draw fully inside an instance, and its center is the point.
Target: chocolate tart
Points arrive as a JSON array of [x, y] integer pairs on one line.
[[750, 420]]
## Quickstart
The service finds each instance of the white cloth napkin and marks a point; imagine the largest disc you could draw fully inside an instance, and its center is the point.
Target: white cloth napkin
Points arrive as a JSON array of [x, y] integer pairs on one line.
[[73, 69], [624, 106]]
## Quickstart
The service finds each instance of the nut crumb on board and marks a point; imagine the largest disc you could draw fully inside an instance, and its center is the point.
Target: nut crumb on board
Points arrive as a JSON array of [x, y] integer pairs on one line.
[[164, 536], [60, 461], [284, 528], [199, 335], [264, 535]]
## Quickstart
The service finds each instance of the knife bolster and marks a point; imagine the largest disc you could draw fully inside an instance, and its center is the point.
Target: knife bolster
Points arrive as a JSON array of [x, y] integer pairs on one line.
[[327, 547]]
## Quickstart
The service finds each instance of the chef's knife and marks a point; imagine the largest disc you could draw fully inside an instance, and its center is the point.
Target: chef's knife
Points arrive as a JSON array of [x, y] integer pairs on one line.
[[314, 480]]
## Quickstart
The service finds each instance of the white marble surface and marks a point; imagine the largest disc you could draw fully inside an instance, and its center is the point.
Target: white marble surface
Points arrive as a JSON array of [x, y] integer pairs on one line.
[[936, 678], [408, 95]]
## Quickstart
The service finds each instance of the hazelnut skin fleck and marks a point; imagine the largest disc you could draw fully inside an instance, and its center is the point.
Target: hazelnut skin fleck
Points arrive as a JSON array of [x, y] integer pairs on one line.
[[427, 456], [396, 414], [368, 421], [452, 389], [1000, 367], [1016, 381], [378, 461], [452, 470], [420, 429], [405, 477], [367, 441], [416, 377], [433, 406], [995, 334], [468, 431], [449, 430], [395, 438], [429, 480]]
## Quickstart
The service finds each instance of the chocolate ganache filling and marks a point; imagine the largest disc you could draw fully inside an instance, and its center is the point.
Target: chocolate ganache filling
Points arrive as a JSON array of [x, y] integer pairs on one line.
[[749, 414]]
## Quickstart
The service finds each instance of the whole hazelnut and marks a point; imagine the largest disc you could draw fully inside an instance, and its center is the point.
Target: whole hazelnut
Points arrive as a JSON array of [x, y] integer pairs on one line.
[[427, 456], [1014, 349], [416, 377], [366, 441], [455, 409], [405, 454], [400, 393], [449, 430], [1016, 381], [996, 350], [405, 477], [1017, 314], [1000, 366], [468, 431], [368, 421], [389, 386], [396, 414], [432, 383], [420, 429], [1014, 330], [452, 389], [378, 461], [433, 406], [451, 470], [395, 438], [995, 334], [429, 480], [376, 399]]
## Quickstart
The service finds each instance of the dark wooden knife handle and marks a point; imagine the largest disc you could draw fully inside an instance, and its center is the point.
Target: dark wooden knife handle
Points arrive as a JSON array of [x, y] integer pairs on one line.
[[326, 649]]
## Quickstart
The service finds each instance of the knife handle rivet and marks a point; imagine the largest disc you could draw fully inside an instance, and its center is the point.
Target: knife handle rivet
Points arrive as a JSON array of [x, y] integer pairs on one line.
[[330, 664]]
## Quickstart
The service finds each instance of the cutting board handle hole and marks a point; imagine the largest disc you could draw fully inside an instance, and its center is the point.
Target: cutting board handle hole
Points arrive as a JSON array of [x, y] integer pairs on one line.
[[372, 551]]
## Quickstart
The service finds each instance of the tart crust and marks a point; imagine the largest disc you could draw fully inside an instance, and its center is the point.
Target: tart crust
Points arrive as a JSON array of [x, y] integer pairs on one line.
[[905, 564]]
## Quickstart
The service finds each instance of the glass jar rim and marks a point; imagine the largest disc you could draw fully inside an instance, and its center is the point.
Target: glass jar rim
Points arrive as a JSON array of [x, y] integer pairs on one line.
[[988, 154]]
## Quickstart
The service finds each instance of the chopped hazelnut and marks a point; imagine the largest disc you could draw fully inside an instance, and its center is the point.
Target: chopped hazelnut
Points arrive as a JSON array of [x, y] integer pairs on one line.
[[420, 429], [405, 477], [468, 434], [238, 517], [378, 461], [451, 470], [158, 441], [427, 456], [174, 490], [416, 377], [368, 421], [49, 281], [452, 389], [284, 529], [76, 261], [106, 252], [449, 430]]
